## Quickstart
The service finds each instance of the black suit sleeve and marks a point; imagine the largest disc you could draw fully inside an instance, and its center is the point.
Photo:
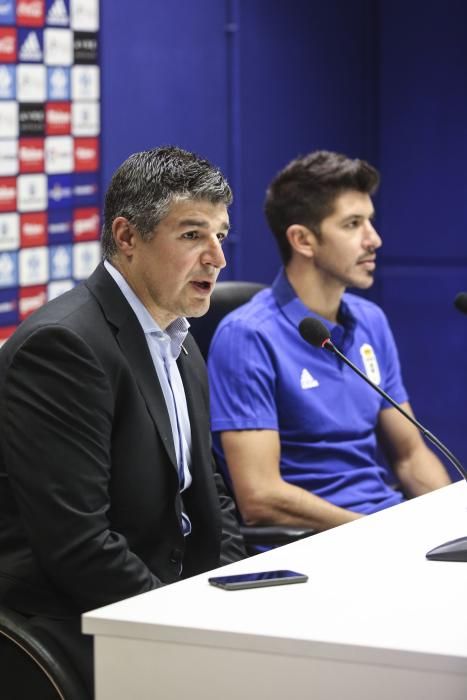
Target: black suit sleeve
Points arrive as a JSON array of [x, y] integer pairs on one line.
[[58, 408]]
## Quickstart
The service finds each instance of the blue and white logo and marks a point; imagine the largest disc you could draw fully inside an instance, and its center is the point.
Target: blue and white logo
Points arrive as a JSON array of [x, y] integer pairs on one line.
[[32, 192], [9, 231], [85, 82], [7, 82], [7, 12], [85, 189], [60, 191], [86, 256], [60, 226], [60, 259], [56, 288], [8, 156], [8, 270], [30, 83], [58, 84], [58, 13], [33, 266], [8, 307], [30, 45]]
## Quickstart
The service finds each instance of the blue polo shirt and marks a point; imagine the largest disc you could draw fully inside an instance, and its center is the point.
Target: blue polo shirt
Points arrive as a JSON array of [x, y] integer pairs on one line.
[[263, 375]]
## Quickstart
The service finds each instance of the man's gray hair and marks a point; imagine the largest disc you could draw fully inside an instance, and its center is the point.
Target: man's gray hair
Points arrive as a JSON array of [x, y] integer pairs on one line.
[[147, 183]]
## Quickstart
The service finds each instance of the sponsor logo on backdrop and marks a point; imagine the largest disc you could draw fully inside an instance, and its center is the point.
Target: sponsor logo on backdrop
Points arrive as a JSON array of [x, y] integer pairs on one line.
[[58, 84], [55, 289], [9, 120], [49, 151], [31, 155], [86, 224], [31, 119], [33, 229], [59, 154], [8, 307], [85, 189], [85, 119], [85, 47], [86, 154], [8, 270], [31, 299], [9, 231], [33, 266], [30, 13], [8, 40], [8, 156], [58, 47], [60, 191], [85, 15], [60, 261], [7, 82], [7, 193], [57, 118], [30, 83], [58, 13], [32, 192], [60, 226], [30, 45], [86, 257], [7, 12], [85, 82]]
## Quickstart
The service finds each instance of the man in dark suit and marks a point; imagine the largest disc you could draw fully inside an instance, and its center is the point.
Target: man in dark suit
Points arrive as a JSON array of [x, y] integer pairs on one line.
[[107, 486]]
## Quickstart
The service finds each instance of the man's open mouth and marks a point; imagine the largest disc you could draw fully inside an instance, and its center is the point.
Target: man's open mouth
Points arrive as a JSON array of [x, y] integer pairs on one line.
[[205, 286]]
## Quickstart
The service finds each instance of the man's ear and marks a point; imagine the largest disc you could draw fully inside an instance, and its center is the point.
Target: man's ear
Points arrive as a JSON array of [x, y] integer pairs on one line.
[[124, 235], [301, 240]]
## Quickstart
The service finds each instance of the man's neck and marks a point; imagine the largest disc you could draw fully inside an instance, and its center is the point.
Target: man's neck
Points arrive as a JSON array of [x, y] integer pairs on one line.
[[322, 299]]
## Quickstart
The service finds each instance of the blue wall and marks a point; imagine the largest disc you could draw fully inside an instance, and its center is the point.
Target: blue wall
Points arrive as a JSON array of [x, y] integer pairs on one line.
[[422, 154], [252, 83]]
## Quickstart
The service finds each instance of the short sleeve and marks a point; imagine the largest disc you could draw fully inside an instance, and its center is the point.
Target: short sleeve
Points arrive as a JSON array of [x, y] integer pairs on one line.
[[242, 379]]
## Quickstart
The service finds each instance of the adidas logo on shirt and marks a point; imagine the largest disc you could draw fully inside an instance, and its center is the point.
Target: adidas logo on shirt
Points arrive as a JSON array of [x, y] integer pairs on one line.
[[307, 381]]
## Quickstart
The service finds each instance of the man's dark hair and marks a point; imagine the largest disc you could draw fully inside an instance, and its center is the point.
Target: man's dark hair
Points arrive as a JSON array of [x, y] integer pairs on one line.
[[147, 183], [304, 192]]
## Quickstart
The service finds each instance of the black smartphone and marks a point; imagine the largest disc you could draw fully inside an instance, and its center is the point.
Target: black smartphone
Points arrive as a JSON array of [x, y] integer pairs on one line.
[[257, 579]]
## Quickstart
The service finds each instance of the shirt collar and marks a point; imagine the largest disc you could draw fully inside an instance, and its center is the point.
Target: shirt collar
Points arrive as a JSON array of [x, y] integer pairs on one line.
[[177, 330], [295, 310]]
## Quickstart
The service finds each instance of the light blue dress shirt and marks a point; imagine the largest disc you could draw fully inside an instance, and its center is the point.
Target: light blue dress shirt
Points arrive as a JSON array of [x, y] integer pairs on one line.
[[165, 347]]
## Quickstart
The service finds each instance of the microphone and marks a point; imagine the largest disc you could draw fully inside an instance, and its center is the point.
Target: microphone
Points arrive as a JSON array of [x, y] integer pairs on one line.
[[460, 302], [315, 333]]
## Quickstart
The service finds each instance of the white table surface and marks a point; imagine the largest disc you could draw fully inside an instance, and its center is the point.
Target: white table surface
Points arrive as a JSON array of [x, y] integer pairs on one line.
[[372, 601]]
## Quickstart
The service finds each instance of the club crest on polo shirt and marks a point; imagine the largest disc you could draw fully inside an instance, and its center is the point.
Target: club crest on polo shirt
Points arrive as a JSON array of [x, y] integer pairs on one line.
[[307, 381], [370, 363]]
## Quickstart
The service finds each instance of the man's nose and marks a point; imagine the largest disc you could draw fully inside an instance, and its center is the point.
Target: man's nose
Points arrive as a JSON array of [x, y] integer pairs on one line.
[[372, 238], [214, 255]]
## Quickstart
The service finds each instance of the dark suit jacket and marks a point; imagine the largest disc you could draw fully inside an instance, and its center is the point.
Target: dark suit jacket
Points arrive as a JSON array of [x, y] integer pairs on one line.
[[89, 500]]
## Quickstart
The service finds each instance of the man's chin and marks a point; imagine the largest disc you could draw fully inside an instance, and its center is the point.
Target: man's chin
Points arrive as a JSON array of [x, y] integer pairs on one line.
[[362, 283], [198, 309]]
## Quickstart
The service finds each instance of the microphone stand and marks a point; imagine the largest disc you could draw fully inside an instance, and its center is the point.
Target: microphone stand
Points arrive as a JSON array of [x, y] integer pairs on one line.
[[455, 550]]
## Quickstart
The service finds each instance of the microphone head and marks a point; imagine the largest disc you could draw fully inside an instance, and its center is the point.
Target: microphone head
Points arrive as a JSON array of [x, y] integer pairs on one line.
[[460, 302], [313, 331]]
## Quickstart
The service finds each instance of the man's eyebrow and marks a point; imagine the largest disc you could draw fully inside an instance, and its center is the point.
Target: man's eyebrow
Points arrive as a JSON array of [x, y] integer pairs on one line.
[[202, 223], [359, 216]]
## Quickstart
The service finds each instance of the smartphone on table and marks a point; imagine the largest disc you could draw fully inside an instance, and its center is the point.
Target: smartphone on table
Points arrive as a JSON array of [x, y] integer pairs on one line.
[[257, 579]]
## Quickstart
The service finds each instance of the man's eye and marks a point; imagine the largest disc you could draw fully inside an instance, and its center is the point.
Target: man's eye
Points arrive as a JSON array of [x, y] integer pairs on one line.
[[191, 235], [221, 237]]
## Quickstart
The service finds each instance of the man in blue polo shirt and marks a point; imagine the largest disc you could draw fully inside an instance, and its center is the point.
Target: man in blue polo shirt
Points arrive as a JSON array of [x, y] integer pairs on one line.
[[301, 435]]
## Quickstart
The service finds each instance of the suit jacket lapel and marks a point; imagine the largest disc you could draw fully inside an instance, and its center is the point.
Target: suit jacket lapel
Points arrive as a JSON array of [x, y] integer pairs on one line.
[[132, 341], [195, 389]]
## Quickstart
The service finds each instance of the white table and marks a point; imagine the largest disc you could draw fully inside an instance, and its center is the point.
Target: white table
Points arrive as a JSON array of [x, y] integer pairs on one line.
[[375, 621]]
